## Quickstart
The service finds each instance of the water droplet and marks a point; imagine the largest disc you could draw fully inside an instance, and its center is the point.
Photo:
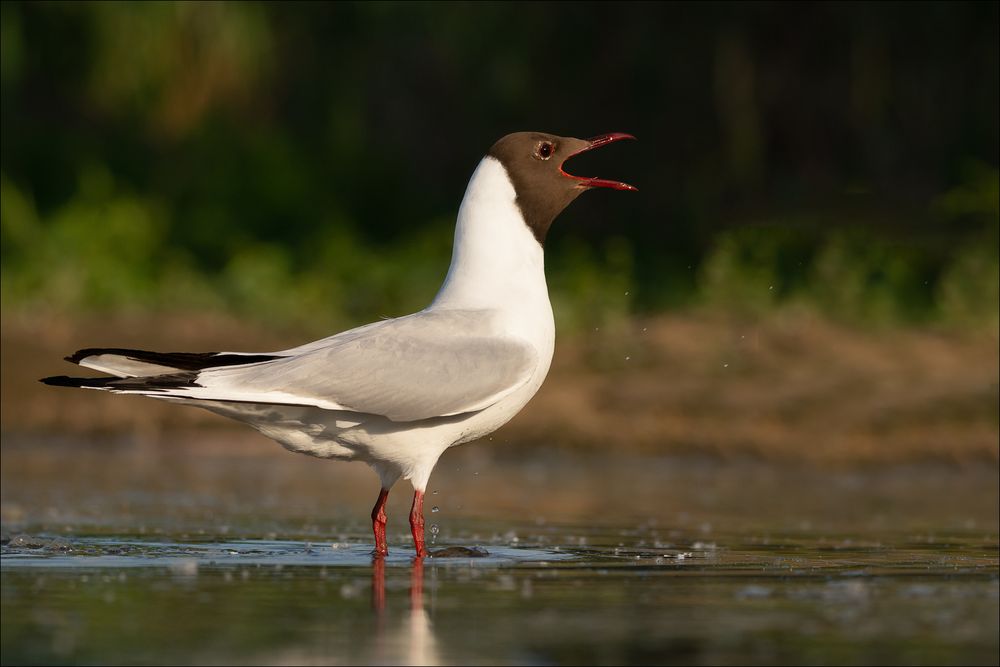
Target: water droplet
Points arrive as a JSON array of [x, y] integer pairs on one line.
[[644, 330], [771, 287], [627, 358], [434, 529], [725, 365], [434, 493], [626, 292], [435, 509]]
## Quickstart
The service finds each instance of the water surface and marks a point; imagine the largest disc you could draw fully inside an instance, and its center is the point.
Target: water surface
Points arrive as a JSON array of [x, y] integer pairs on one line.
[[121, 554]]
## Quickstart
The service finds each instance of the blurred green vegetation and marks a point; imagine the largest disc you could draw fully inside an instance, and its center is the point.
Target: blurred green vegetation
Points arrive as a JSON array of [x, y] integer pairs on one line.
[[302, 163]]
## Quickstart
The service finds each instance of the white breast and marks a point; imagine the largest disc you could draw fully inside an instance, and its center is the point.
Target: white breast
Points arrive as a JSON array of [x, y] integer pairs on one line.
[[497, 264]]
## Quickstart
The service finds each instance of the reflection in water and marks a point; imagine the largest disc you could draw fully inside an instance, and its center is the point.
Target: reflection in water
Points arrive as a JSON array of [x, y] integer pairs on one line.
[[378, 585], [412, 640]]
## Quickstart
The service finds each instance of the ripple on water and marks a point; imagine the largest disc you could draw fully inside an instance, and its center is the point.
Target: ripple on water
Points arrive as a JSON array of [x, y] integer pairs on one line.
[[24, 551], [801, 557]]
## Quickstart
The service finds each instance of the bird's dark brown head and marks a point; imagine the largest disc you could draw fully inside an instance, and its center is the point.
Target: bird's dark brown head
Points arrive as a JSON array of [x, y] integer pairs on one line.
[[534, 162]]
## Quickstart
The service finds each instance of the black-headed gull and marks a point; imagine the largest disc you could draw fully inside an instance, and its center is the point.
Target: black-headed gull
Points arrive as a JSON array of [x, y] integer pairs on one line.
[[397, 393]]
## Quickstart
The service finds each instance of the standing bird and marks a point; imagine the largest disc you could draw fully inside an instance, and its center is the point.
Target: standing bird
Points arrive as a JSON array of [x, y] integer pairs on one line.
[[397, 393]]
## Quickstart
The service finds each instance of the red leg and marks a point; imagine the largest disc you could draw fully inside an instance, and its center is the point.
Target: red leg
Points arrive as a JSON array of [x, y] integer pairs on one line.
[[417, 524], [378, 524]]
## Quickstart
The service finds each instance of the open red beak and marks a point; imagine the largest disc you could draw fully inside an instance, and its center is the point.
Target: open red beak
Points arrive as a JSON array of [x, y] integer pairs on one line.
[[597, 142]]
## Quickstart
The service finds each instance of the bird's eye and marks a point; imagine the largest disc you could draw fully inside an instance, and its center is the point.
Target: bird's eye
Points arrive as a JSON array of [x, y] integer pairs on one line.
[[545, 150]]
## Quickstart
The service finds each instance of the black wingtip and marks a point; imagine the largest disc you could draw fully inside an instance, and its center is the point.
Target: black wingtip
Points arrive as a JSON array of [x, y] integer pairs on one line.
[[182, 361], [66, 381], [151, 383]]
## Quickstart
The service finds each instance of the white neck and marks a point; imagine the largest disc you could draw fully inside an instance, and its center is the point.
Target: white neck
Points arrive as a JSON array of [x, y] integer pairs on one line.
[[496, 263]]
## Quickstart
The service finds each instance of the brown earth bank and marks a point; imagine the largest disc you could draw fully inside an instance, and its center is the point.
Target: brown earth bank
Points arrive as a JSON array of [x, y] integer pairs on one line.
[[787, 387]]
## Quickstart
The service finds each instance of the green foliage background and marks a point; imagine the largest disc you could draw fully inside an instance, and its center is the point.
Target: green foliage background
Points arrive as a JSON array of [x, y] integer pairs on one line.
[[302, 163]]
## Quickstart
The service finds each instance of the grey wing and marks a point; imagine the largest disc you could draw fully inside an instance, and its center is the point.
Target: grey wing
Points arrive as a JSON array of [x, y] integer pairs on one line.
[[418, 367]]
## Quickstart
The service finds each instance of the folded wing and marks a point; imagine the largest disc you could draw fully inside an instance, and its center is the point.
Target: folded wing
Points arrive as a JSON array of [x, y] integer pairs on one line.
[[431, 364]]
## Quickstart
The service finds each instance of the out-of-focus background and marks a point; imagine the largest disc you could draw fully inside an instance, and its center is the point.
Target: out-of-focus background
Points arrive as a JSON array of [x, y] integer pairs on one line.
[[770, 432], [809, 270]]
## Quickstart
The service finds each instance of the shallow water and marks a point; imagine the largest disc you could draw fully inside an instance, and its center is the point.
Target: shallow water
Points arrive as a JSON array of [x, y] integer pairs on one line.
[[118, 553]]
